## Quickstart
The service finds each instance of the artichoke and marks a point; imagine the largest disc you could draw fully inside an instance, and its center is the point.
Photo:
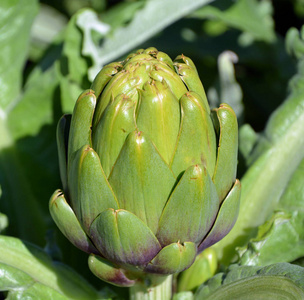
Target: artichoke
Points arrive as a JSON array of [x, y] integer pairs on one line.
[[148, 171]]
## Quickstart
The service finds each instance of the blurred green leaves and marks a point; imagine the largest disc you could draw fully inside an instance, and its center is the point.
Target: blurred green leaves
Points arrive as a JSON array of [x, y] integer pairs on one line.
[[15, 24], [16, 19], [252, 17], [138, 30]]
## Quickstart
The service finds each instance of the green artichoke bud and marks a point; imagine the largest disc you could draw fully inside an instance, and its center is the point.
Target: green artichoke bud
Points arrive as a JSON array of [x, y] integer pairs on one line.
[[148, 172]]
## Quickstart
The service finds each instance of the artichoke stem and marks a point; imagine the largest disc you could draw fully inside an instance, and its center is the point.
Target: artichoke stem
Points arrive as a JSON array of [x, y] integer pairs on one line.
[[162, 291]]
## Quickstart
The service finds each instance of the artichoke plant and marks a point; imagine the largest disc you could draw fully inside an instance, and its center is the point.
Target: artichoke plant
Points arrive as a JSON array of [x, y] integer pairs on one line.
[[148, 171]]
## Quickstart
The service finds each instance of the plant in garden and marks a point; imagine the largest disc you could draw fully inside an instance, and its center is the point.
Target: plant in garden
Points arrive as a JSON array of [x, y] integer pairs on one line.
[[140, 120], [148, 171]]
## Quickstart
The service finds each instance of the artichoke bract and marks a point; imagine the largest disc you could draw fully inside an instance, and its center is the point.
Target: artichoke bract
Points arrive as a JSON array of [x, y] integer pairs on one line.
[[148, 171]]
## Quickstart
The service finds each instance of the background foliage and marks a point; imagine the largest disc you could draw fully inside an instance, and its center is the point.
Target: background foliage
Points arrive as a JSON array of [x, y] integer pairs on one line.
[[249, 53]]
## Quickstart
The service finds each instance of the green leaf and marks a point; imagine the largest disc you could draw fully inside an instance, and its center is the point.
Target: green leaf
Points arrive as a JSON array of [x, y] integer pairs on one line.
[[74, 64], [28, 162], [141, 28], [16, 19], [282, 237], [28, 154], [256, 23], [293, 198], [15, 24], [13, 278], [266, 179], [22, 286], [278, 281], [26, 264]]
